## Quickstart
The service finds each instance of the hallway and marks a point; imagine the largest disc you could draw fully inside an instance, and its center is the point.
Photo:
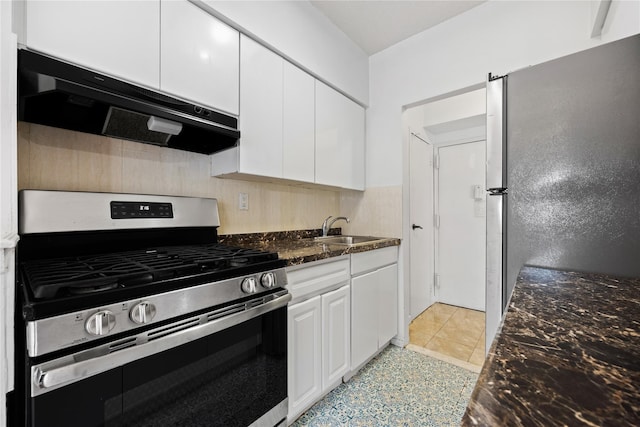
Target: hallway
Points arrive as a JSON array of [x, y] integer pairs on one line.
[[453, 334]]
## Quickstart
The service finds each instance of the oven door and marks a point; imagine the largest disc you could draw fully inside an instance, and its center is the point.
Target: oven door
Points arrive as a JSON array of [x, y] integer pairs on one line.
[[229, 371]]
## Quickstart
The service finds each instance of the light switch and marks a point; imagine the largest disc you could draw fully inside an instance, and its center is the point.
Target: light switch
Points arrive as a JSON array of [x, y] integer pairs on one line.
[[478, 193]]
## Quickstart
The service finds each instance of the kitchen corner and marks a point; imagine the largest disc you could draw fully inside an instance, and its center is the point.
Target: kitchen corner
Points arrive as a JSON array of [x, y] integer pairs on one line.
[[567, 354]]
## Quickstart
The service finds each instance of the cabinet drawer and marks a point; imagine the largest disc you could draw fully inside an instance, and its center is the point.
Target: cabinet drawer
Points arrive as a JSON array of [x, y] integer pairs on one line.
[[307, 280], [367, 261]]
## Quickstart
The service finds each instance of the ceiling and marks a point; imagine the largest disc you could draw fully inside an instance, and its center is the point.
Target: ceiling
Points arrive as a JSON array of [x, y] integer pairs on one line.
[[376, 25]]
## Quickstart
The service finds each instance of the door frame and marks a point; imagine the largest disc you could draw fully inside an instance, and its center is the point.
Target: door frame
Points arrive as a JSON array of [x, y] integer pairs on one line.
[[436, 206]]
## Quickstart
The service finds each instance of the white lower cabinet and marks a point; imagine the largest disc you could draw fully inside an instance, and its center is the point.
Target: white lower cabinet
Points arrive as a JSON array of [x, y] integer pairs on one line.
[[374, 303], [304, 355], [342, 312], [319, 339], [336, 334], [319, 332], [364, 324]]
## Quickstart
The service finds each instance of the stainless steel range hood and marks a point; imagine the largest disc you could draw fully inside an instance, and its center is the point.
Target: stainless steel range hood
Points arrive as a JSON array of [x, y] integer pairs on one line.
[[54, 93]]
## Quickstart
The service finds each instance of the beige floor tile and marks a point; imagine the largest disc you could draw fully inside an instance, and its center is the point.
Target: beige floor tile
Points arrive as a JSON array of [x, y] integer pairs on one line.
[[480, 344], [420, 338], [426, 325], [451, 348], [467, 336], [437, 314], [466, 315], [445, 309], [452, 331], [477, 357], [465, 323], [475, 315]]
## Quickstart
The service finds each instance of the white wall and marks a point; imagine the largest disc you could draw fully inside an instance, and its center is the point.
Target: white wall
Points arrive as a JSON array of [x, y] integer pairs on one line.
[[454, 108], [305, 36], [497, 37]]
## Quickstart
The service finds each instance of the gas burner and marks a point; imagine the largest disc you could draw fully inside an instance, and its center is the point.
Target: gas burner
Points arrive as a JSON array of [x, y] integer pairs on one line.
[[83, 290], [53, 278], [237, 262]]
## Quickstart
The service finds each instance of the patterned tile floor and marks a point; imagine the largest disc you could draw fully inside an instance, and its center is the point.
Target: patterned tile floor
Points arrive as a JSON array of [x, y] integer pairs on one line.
[[397, 388]]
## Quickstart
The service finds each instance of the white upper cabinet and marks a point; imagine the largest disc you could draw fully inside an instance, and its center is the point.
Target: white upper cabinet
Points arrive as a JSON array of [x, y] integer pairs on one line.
[[277, 132], [199, 56], [261, 98], [118, 38], [339, 140], [298, 157]]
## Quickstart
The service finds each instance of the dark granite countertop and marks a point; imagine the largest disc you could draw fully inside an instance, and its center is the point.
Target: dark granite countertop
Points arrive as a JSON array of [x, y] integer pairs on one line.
[[568, 354], [298, 247]]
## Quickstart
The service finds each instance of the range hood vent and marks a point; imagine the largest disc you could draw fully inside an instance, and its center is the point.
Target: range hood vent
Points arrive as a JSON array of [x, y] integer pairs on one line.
[[54, 93]]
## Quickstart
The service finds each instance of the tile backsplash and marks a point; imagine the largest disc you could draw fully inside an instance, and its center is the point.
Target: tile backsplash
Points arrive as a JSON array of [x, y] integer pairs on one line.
[[58, 159]]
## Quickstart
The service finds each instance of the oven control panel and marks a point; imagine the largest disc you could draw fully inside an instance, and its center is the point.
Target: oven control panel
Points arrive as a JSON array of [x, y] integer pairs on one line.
[[137, 210]]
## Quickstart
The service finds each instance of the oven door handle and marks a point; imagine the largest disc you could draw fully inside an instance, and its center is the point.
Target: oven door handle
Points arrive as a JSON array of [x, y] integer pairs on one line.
[[51, 375]]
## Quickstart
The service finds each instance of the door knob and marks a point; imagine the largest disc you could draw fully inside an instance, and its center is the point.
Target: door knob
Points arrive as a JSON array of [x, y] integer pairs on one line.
[[413, 226]]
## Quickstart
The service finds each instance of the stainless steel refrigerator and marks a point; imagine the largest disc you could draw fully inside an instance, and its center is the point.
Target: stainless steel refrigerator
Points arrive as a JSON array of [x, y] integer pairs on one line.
[[563, 168]]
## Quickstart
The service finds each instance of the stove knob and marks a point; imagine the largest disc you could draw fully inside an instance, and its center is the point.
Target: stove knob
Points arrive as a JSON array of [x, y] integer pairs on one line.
[[143, 312], [100, 323], [249, 285], [268, 280]]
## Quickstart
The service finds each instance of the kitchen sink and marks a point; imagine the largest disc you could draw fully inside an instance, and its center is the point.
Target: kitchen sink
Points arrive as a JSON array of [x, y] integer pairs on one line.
[[348, 240]]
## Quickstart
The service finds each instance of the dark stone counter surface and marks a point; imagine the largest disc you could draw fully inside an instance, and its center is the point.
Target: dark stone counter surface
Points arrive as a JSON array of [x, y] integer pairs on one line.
[[568, 354], [298, 247]]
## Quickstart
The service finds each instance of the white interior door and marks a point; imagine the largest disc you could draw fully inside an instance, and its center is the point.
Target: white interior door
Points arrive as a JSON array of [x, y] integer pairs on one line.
[[421, 213], [461, 233]]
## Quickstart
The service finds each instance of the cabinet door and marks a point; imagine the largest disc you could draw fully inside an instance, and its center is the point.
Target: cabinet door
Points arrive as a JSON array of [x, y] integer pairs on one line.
[[119, 38], [387, 279], [199, 56], [298, 154], [339, 139], [364, 318], [304, 353], [336, 334], [260, 110]]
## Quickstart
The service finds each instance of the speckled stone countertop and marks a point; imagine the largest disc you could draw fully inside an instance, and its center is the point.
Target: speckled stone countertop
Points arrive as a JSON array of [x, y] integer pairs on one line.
[[568, 354], [298, 247]]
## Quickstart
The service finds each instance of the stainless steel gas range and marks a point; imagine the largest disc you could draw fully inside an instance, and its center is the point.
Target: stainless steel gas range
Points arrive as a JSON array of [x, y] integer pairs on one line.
[[131, 313]]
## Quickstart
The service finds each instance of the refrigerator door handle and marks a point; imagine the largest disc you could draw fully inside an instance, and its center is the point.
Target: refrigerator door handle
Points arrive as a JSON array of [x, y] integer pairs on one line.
[[496, 185], [496, 132], [500, 191]]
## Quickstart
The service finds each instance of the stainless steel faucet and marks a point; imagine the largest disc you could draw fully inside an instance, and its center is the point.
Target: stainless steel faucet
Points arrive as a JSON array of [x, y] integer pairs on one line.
[[326, 225]]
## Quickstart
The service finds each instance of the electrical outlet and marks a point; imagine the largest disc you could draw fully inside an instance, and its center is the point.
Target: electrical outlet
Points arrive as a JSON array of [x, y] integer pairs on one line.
[[243, 201]]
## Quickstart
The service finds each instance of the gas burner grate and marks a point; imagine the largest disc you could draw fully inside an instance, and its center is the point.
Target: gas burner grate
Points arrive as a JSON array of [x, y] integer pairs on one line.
[[52, 278]]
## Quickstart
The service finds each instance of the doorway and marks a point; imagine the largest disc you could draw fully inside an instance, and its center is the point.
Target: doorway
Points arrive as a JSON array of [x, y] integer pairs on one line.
[[460, 221], [439, 124]]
